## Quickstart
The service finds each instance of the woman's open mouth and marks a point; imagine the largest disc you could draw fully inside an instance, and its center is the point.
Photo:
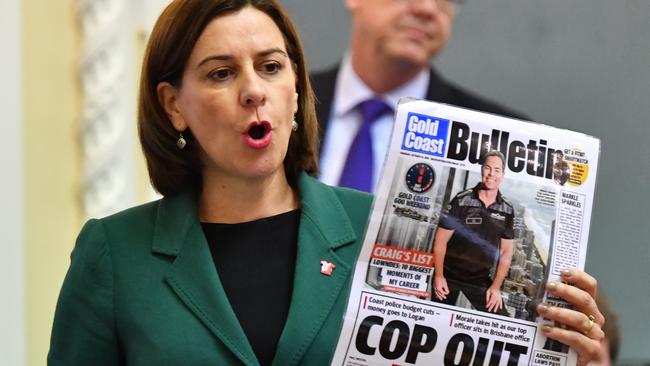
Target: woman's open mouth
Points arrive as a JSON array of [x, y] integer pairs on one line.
[[258, 134]]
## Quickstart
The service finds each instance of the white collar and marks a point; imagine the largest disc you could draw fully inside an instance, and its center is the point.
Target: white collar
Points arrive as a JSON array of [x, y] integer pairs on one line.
[[351, 90]]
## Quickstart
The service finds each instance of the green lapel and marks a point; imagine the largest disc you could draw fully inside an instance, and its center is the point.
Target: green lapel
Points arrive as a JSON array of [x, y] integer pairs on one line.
[[324, 227], [192, 274]]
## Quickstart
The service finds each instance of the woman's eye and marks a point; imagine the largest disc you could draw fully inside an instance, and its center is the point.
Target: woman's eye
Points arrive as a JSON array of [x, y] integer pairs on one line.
[[272, 67], [221, 74]]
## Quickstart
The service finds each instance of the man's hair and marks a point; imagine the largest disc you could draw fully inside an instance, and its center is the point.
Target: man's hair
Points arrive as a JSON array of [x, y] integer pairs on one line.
[[170, 44], [496, 153]]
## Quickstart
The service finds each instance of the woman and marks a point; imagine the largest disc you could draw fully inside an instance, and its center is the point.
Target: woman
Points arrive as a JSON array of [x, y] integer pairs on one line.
[[225, 269]]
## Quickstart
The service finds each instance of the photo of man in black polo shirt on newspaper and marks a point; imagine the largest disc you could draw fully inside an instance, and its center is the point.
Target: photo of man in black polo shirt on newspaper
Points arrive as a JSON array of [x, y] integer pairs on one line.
[[473, 244]]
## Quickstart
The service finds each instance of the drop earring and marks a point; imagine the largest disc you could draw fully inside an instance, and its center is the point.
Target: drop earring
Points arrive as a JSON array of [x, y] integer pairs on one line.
[[294, 125], [181, 142]]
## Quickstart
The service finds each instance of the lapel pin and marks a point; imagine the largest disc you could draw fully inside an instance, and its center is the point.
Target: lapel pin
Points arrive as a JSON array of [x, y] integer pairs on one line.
[[326, 267]]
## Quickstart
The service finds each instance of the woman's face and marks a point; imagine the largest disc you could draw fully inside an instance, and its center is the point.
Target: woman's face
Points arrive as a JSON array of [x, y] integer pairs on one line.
[[238, 96]]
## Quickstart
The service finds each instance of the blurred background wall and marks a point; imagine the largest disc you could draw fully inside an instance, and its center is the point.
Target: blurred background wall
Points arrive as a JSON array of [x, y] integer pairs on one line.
[[46, 102], [581, 65], [12, 263], [45, 165]]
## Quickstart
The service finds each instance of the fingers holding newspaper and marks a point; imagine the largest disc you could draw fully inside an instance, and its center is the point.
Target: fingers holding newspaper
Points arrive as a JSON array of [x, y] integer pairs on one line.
[[580, 327]]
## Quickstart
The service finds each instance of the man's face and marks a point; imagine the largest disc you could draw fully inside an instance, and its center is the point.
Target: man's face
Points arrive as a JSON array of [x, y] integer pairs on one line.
[[406, 31], [492, 173]]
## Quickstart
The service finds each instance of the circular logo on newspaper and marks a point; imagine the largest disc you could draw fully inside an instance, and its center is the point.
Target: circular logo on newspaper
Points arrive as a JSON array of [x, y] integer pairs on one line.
[[420, 178]]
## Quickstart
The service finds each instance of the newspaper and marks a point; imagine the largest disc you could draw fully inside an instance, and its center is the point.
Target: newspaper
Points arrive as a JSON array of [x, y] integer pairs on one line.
[[434, 248]]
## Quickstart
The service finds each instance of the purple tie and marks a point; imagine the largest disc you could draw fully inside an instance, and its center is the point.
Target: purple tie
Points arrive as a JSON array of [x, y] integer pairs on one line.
[[358, 169]]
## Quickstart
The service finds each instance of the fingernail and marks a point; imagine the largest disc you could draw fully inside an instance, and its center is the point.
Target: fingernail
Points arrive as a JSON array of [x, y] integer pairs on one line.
[[543, 308], [552, 286], [546, 329], [566, 273]]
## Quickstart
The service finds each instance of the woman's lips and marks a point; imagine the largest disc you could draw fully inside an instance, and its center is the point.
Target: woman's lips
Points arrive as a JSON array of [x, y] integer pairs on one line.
[[258, 134]]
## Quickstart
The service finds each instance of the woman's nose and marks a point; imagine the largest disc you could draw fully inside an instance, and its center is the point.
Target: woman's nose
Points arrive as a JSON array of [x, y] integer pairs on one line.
[[253, 93]]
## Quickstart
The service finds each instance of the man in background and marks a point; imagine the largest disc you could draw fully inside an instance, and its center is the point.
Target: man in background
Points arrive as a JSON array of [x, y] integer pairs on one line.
[[392, 45]]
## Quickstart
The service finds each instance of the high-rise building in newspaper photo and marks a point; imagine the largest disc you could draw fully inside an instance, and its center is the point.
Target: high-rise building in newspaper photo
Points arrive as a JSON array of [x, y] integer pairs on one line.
[[474, 214]]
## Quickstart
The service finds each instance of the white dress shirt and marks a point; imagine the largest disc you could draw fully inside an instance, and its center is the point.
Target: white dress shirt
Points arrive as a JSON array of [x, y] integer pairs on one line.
[[345, 120]]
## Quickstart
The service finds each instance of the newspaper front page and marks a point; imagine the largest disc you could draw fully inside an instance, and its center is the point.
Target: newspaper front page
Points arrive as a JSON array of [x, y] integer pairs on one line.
[[459, 247]]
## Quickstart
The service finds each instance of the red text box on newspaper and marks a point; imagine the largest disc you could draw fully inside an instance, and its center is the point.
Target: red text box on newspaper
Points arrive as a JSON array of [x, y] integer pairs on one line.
[[402, 255]]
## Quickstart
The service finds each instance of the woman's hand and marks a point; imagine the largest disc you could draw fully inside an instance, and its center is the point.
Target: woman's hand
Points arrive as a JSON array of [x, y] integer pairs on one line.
[[581, 327]]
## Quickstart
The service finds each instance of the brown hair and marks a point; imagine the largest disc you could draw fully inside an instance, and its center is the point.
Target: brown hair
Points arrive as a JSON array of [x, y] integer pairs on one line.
[[168, 50]]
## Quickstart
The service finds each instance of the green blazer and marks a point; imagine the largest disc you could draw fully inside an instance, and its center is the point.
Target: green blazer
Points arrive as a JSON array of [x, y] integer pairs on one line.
[[142, 288]]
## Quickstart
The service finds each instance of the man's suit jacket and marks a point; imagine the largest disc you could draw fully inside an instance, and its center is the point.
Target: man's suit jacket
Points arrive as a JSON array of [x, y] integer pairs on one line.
[[439, 90], [142, 288]]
